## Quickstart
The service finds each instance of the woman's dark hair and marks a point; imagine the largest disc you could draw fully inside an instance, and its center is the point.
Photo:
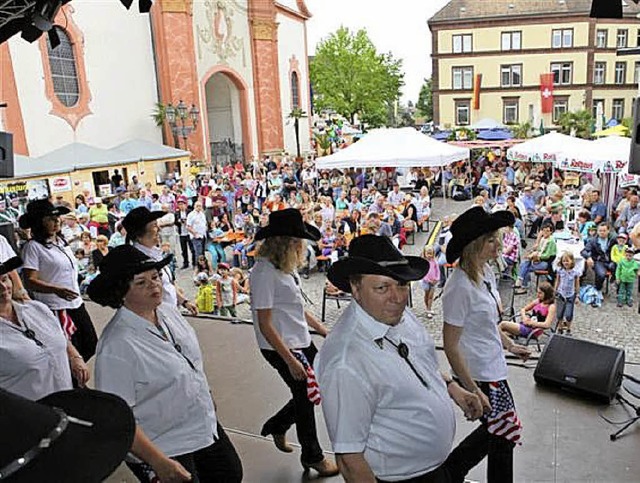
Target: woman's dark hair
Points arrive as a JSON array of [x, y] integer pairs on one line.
[[547, 289], [81, 198], [114, 297], [39, 234]]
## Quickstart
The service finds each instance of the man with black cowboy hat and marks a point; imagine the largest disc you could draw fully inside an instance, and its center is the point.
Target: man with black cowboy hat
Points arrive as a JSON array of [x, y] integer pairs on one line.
[[386, 404]]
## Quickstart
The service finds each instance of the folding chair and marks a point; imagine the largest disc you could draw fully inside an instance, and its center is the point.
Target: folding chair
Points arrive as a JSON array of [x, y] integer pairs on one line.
[[338, 297]]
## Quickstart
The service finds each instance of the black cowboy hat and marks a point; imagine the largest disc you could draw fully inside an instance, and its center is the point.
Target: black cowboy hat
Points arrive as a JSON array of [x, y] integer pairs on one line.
[[120, 263], [138, 218], [74, 436], [376, 255], [288, 223], [471, 225], [10, 264], [38, 209]]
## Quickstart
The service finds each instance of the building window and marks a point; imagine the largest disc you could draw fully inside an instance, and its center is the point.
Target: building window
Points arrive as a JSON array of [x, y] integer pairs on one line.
[[600, 73], [621, 73], [511, 40], [511, 75], [621, 38], [636, 73], [462, 78], [463, 111], [562, 38], [594, 109], [560, 106], [462, 44], [562, 73], [510, 114], [617, 110], [63, 70], [295, 90], [601, 39]]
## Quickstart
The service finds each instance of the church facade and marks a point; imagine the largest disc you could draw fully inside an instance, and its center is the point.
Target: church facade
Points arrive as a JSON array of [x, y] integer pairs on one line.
[[241, 63]]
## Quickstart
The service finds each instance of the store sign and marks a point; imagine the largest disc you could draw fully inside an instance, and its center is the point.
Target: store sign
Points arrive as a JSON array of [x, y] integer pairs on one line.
[[576, 165], [20, 189], [60, 184]]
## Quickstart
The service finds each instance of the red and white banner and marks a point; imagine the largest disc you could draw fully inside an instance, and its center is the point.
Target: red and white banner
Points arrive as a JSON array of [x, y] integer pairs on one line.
[[60, 184], [546, 93]]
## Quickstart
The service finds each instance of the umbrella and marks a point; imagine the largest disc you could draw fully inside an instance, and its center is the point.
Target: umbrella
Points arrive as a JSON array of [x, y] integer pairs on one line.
[[618, 130], [495, 134]]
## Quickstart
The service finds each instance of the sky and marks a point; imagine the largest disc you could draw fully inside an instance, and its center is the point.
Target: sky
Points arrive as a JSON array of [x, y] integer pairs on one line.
[[402, 30]]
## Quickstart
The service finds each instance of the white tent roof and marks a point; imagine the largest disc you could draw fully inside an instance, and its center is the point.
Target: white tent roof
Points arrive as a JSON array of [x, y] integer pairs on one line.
[[487, 123], [608, 154], [544, 149], [404, 147]]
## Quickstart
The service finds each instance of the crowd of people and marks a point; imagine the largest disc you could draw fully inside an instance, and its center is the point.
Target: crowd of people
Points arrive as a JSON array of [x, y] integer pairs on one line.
[[245, 233]]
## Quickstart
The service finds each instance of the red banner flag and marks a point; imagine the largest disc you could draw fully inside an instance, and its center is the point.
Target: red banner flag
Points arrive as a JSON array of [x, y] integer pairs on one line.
[[477, 84], [546, 92]]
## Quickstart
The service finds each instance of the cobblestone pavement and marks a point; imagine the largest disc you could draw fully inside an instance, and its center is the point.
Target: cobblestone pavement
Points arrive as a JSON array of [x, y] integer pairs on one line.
[[608, 324]]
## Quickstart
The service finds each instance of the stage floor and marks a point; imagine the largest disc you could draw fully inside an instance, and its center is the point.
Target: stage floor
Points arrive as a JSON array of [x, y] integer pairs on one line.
[[565, 439]]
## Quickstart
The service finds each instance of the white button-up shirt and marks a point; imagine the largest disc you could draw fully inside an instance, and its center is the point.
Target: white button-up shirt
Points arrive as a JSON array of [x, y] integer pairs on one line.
[[56, 264], [474, 309], [197, 221], [373, 402], [170, 399], [27, 369], [273, 289]]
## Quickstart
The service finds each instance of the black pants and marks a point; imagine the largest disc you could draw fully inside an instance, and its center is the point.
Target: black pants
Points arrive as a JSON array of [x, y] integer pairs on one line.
[[185, 246], [473, 449], [217, 463], [439, 475], [299, 410], [85, 338]]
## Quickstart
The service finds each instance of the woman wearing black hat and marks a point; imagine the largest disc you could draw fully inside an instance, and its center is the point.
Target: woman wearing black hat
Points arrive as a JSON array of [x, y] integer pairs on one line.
[[282, 330], [474, 345], [149, 355], [37, 359], [51, 273], [143, 233]]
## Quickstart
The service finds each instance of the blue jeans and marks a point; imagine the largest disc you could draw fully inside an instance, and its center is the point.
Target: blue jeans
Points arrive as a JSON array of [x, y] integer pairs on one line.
[[564, 307], [529, 267], [600, 269], [198, 247], [217, 254]]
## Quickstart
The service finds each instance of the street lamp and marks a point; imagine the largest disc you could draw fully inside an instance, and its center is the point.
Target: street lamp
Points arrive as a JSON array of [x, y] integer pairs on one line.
[[182, 114]]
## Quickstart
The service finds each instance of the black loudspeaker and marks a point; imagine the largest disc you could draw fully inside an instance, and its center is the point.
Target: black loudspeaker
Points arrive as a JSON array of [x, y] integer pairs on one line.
[[591, 369], [6, 155]]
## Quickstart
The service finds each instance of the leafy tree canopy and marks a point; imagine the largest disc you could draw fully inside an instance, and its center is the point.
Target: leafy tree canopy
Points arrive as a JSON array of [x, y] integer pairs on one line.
[[351, 77], [579, 123], [425, 100]]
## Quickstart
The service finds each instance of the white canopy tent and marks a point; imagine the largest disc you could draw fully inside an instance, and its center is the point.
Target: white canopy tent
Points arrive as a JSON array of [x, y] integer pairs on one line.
[[544, 149], [403, 147], [607, 155], [487, 123]]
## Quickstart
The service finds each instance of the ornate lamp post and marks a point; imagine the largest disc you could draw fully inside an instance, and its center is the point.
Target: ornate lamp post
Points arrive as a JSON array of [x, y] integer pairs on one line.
[[178, 117]]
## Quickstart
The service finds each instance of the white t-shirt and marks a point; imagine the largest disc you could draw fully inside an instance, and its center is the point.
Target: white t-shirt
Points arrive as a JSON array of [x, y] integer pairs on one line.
[[6, 251], [170, 399], [472, 307], [273, 289], [373, 403], [57, 265], [26, 368]]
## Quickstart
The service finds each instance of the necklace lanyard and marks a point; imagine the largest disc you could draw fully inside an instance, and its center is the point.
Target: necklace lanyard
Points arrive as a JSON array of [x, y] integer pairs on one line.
[[403, 352], [27, 332], [488, 285], [171, 340]]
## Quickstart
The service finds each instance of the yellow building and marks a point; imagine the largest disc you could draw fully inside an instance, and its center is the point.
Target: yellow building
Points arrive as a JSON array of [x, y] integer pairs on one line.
[[510, 43]]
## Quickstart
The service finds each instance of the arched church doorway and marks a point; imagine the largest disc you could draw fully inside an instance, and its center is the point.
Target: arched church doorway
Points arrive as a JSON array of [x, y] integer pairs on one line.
[[227, 118]]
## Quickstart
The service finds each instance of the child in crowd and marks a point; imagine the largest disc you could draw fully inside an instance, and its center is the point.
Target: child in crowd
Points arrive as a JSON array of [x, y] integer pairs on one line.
[[626, 274], [567, 286], [539, 314], [619, 249], [510, 249], [226, 291], [90, 274], [83, 264], [242, 284], [203, 266], [328, 241], [431, 279], [166, 251], [206, 296]]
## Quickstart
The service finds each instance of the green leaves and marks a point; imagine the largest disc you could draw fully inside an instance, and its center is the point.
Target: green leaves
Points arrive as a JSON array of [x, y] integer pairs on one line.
[[580, 123], [425, 100], [351, 77]]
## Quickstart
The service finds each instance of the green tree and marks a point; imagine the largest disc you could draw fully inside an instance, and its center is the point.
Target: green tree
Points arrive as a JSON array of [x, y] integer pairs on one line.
[[522, 130], [425, 100], [579, 123], [351, 77]]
